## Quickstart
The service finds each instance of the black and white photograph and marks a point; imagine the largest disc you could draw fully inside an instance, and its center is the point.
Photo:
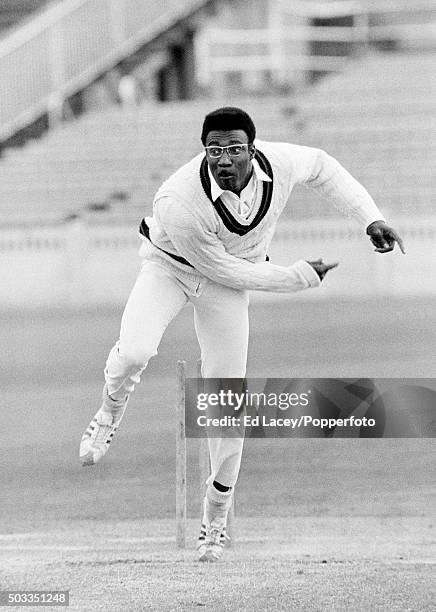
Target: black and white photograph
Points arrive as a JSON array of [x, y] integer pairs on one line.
[[218, 305]]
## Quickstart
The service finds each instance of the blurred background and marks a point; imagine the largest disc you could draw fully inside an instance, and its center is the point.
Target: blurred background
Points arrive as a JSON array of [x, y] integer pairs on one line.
[[102, 99]]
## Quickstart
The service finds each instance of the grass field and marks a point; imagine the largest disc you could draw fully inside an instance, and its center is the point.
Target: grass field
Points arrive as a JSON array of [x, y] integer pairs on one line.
[[321, 524]]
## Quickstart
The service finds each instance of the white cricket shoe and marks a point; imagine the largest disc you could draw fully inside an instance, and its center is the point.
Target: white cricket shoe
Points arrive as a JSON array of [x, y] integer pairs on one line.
[[211, 541], [99, 433]]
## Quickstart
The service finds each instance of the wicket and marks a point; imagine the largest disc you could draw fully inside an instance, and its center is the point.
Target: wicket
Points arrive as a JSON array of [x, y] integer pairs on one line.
[[203, 458], [181, 456]]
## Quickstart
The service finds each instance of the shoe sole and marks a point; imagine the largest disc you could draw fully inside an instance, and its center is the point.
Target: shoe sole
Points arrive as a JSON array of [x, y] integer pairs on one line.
[[209, 557], [87, 459]]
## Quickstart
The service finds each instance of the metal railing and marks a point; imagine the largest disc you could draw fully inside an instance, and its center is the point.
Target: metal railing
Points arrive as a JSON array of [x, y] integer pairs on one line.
[[69, 45], [270, 48], [343, 8], [264, 59]]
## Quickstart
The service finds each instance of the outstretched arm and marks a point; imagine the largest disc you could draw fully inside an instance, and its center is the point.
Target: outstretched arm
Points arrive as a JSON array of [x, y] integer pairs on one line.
[[323, 173], [206, 253]]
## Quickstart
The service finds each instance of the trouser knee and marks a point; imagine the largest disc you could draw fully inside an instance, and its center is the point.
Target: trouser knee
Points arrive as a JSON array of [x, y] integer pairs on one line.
[[224, 370], [123, 369], [136, 357]]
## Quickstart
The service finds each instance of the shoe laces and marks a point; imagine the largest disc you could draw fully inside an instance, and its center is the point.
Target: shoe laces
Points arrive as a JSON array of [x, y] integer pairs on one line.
[[214, 536], [105, 424], [217, 535], [103, 432]]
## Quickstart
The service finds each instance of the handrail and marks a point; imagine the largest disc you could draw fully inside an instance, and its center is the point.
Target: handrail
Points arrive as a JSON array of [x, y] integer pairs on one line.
[[67, 46], [320, 33], [257, 60], [41, 22], [342, 8]]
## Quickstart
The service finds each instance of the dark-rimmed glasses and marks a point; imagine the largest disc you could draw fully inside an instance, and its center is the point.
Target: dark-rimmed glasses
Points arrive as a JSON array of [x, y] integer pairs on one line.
[[215, 152]]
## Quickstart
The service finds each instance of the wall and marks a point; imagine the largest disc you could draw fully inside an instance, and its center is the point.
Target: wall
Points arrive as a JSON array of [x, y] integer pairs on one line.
[[79, 265]]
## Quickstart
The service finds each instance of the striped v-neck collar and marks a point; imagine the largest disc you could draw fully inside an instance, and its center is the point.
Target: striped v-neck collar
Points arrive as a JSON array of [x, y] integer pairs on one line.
[[229, 220]]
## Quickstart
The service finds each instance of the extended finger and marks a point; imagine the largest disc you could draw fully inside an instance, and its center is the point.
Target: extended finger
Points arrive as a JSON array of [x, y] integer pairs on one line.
[[392, 237], [400, 243]]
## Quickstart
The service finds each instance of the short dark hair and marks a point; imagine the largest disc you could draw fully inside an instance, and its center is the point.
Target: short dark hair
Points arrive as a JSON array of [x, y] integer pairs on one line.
[[228, 118]]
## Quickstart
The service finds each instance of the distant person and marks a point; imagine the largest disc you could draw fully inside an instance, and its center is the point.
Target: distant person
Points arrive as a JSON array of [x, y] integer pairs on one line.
[[207, 244], [128, 91]]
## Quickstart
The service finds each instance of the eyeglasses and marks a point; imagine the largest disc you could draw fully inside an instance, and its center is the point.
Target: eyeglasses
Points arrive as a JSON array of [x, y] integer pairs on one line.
[[233, 150]]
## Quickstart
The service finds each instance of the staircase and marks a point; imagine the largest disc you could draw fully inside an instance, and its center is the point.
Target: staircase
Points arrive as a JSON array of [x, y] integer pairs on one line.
[[114, 159], [378, 119]]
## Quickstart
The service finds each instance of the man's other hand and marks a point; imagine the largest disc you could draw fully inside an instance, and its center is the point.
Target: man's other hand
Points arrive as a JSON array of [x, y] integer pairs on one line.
[[384, 237], [322, 268]]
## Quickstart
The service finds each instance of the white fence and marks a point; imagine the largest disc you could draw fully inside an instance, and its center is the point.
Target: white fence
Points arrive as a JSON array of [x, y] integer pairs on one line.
[[79, 265]]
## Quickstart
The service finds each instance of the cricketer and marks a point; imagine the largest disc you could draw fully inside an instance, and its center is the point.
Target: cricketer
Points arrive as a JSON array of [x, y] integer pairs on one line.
[[207, 243]]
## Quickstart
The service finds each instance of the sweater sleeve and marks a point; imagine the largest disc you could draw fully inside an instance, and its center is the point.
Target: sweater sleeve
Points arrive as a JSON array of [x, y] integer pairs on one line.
[[206, 253], [323, 173]]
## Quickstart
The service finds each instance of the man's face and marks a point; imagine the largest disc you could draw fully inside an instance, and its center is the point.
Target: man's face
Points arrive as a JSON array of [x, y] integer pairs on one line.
[[231, 173]]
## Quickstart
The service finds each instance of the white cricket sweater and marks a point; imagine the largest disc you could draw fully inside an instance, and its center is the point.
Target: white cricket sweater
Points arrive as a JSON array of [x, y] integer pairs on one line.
[[200, 238]]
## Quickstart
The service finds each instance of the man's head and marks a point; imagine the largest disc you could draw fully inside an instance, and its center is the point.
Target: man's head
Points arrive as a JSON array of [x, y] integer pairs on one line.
[[229, 127]]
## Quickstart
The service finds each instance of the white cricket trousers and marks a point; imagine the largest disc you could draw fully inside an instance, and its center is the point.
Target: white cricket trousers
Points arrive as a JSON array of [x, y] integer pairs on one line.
[[221, 325]]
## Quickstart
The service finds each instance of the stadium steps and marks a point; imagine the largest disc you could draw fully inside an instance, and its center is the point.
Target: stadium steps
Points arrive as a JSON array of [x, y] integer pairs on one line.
[[374, 118], [92, 158], [379, 120]]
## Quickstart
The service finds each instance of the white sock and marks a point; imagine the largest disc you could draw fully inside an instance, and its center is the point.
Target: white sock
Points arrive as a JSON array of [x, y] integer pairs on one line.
[[216, 504], [113, 406]]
